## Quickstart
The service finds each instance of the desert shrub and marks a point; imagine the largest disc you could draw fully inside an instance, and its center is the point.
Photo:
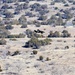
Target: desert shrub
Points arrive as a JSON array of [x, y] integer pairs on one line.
[[43, 12], [6, 21], [8, 53], [42, 17], [44, 23], [47, 59], [29, 14], [13, 39], [40, 57], [19, 7], [9, 1], [35, 22], [8, 14], [24, 26], [16, 53], [37, 25], [35, 52], [73, 22], [65, 33], [59, 21], [45, 42], [4, 33], [52, 20], [22, 20], [68, 14], [12, 36], [0, 69], [66, 5], [56, 8], [55, 34], [16, 36], [44, 6], [15, 22], [1, 23], [30, 34], [35, 43], [25, 5], [16, 12], [35, 5], [74, 3], [9, 27], [2, 42], [50, 34], [21, 35], [5, 6], [66, 47]]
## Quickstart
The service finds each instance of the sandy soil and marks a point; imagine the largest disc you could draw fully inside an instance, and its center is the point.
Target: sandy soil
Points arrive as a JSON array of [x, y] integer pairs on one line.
[[61, 60]]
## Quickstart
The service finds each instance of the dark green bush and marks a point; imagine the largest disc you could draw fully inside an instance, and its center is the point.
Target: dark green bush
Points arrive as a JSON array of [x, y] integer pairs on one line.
[[47, 59], [0, 69], [34, 52], [40, 57]]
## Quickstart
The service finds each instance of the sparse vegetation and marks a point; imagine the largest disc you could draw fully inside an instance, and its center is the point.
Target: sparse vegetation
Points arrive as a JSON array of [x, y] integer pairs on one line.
[[37, 37]]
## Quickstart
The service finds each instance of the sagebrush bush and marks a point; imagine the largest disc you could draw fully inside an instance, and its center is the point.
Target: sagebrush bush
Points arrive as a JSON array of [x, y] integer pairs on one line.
[[16, 36], [35, 43], [2, 42], [9, 27]]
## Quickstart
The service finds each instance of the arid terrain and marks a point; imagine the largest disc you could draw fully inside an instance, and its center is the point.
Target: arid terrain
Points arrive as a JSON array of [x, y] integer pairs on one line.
[[37, 37]]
